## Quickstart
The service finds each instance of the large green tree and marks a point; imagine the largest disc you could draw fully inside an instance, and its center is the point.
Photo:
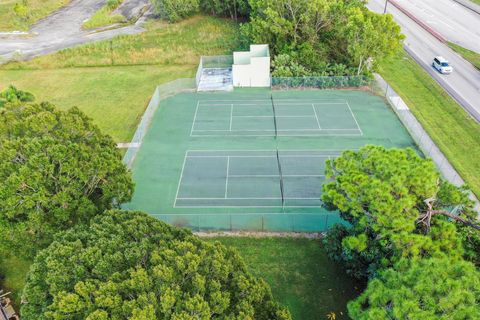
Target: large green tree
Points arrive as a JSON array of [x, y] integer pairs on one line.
[[428, 289], [370, 37], [321, 34], [128, 265], [56, 170], [397, 205]]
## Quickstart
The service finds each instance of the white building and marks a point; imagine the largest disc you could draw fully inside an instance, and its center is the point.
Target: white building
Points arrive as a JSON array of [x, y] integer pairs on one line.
[[252, 68], [246, 69]]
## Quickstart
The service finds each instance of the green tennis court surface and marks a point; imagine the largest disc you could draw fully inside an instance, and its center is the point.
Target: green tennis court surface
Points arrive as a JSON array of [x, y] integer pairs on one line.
[[256, 118], [253, 159]]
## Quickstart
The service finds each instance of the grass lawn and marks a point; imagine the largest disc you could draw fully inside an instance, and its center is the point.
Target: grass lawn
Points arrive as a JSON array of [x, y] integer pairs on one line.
[[469, 55], [111, 80], [300, 274], [114, 97], [14, 270], [452, 129], [36, 10], [104, 17]]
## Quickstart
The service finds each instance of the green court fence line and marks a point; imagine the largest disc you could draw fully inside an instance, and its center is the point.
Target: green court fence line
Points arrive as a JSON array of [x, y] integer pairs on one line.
[[161, 92], [327, 82], [281, 222]]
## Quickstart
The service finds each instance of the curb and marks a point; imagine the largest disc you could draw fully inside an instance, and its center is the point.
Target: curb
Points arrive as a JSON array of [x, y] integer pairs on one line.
[[469, 5], [434, 33]]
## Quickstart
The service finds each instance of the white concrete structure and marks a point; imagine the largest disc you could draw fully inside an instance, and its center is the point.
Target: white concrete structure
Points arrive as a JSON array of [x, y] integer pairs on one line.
[[252, 68]]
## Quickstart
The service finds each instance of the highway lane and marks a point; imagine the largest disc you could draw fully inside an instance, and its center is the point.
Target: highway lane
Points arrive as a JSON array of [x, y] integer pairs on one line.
[[457, 23], [463, 84]]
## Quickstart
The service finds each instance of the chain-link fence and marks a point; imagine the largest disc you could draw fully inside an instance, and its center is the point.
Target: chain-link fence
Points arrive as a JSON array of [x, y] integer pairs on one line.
[[284, 222], [418, 133], [421, 137], [212, 62], [327, 82], [161, 92]]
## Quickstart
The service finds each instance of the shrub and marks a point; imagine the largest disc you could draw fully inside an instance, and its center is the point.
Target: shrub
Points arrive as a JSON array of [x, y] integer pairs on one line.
[[15, 96], [176, 10]]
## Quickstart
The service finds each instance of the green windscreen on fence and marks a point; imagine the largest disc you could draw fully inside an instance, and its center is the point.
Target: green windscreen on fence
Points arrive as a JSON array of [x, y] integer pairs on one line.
[[253, 159]]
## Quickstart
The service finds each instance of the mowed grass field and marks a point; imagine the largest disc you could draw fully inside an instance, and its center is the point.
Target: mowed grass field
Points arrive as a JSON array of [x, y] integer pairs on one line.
[[114, 97], [300, 274], [452, 129], [112, 81], [36, 10]]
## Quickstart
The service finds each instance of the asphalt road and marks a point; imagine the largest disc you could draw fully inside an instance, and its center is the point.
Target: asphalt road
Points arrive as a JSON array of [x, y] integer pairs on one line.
[[60, 30], [455, 22], [463, 84]]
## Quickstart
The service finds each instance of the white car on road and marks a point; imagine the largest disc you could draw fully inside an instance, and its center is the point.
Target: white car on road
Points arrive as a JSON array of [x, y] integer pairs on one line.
[[442, 65]]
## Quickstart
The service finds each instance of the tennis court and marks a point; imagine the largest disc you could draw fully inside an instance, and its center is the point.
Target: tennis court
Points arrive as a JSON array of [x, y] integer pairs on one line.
[[284, 117], [225, 178], [253, 159]]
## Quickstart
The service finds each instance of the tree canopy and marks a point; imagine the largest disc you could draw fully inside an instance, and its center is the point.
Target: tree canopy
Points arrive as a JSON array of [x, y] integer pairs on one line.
[[430, 289], [57, 169], [176, 10], [395, 202], [128, 265], [323, 36]]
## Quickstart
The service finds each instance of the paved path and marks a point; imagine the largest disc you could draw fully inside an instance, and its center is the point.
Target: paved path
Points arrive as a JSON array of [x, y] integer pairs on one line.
[[60, 30], [463, 84]]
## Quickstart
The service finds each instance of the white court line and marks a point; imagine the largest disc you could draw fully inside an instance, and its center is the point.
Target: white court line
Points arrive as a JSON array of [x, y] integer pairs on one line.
[[319, 133], [276, 176], [246, 100], [305, 116], [231, 116], [226, 179], [269, 150], [354, 118], [270, 130], [316, 116], [236, 104], [298, 156], [289, 104], [180, 180], [194, 118]]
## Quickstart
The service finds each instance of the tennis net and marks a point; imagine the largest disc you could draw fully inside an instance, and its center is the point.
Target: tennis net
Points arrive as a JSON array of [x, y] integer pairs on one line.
[[274, 117]]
